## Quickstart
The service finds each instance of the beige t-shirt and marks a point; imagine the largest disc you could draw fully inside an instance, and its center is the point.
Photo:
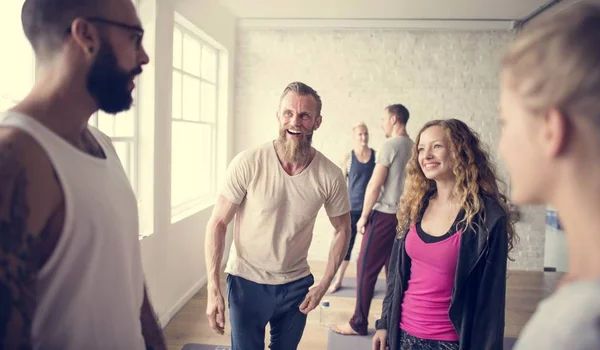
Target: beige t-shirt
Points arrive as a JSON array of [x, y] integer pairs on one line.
[[273, 227]]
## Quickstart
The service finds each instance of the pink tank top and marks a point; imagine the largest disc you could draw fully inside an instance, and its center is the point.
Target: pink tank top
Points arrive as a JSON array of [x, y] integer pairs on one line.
[[424, 309]]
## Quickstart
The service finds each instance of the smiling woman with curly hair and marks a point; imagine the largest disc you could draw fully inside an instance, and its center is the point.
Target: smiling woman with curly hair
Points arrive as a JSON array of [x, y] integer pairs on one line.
[[447, 282]]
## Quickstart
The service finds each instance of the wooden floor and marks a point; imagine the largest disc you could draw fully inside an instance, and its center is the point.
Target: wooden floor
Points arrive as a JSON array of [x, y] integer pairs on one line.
[[190, 325]]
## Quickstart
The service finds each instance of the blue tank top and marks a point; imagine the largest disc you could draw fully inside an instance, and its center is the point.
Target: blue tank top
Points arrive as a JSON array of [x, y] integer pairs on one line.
[[359, 175]]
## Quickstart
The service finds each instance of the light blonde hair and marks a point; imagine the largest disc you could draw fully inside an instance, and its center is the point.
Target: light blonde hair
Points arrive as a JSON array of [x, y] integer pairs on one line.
[[475, 175], [360, 124], [554, 62]]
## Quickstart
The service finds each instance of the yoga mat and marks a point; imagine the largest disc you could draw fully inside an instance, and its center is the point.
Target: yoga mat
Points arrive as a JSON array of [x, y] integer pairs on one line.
[[363, 342], [349, 342], [205, 347], [348, 289], [509, 343]]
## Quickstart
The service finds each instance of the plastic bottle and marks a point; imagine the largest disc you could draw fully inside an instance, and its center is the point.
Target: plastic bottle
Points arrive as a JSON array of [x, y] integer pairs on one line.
[[323, 313]]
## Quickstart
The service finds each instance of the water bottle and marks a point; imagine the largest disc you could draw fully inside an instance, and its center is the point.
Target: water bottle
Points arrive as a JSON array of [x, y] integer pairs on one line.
[[323, 313]]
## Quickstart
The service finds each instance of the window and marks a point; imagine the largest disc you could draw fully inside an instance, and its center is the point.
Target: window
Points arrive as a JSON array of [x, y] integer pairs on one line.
[[121, 128], [193, 120], [125, 132], [17, 65]]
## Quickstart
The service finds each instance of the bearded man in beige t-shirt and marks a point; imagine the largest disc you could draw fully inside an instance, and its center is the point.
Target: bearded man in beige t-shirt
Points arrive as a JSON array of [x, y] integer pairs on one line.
[[275, 192]]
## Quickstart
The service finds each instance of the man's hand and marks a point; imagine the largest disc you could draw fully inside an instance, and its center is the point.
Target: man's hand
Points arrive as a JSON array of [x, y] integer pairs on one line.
[[214, 244], [380, 340], [360, 225], [215, 311], [313, 298]]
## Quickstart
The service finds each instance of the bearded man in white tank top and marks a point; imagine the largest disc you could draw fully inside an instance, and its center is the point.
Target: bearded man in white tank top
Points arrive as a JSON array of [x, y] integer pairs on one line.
[[70, 267]]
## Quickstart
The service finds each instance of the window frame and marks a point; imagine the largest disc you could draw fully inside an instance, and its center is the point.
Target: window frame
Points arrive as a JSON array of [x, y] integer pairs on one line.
[[182, 210]]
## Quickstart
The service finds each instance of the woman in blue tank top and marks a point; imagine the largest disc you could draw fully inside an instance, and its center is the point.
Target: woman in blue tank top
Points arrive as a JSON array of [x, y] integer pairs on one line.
[[357, 166]]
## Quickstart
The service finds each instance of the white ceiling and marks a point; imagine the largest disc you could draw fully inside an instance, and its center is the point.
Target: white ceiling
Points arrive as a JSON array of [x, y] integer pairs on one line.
[[383, 9]]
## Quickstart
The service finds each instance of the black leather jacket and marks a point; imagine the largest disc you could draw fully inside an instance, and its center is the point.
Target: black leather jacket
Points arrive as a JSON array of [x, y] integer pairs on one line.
[[479, 292]]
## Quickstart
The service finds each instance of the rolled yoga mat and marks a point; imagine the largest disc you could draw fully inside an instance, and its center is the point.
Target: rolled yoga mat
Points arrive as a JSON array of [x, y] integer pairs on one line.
[[348, 289], [363, 342]]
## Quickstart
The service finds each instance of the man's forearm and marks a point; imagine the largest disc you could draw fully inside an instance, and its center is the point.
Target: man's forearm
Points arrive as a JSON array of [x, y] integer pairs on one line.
[[337, 251], [214, 246], [151, 331], [371, 196]]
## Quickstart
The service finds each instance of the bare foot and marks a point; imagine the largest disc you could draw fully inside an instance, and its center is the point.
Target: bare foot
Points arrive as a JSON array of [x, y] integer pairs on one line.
[[335, 287], [344, 329]]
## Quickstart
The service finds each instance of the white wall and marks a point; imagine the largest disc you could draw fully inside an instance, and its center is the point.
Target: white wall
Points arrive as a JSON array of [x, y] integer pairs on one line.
[[173, 255], [357, 73]]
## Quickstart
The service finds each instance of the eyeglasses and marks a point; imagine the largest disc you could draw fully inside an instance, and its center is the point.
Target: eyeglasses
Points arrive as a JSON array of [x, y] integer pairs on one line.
[[139, 30]]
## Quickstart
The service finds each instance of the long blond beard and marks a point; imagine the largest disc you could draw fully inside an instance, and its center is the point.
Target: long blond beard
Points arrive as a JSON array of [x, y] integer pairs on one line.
[[292, 151]]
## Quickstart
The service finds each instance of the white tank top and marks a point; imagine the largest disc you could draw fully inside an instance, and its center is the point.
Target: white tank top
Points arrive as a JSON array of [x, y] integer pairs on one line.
[[90, 292]]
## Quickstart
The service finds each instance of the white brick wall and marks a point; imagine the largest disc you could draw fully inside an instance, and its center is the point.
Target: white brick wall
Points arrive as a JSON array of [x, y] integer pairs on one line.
[[359, 72]]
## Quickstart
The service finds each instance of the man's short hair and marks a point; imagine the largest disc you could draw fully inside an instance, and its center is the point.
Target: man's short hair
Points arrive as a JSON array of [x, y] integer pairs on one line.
[[400, 112], [303, 90], [46, 22]]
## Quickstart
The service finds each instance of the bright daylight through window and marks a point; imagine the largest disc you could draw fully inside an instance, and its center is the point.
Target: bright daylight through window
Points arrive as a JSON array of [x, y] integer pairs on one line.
[[194, 121]]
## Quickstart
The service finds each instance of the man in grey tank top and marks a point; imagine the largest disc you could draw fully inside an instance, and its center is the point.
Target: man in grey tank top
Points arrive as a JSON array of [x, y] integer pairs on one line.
[[378, 216], [71, 273]]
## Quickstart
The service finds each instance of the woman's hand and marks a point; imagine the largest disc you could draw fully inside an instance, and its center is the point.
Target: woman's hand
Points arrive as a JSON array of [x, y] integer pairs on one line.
[[380, 340]]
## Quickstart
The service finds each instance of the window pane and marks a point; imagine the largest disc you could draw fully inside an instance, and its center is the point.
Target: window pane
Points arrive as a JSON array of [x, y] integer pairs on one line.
[[177, 48], [125, 151], [125, 123], [209, 102], [18, 67], [191, 55], [191, 161], [121, 148], [191, 97], [209, 64], [176, 96], [106, 123]]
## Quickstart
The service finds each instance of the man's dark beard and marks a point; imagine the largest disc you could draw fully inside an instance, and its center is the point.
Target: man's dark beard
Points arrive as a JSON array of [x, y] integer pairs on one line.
[[108, 83], [293, 151]]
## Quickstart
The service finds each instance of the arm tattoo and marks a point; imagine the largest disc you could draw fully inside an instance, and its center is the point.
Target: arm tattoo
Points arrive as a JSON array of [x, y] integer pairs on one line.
[[16, 274], [151, 330], [19, 261]]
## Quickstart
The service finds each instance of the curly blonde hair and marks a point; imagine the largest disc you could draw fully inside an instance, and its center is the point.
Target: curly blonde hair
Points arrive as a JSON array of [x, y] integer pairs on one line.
[[475, 176]]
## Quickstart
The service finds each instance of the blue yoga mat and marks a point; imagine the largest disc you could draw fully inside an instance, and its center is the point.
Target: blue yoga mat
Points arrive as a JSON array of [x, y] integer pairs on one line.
[[363, 342]]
